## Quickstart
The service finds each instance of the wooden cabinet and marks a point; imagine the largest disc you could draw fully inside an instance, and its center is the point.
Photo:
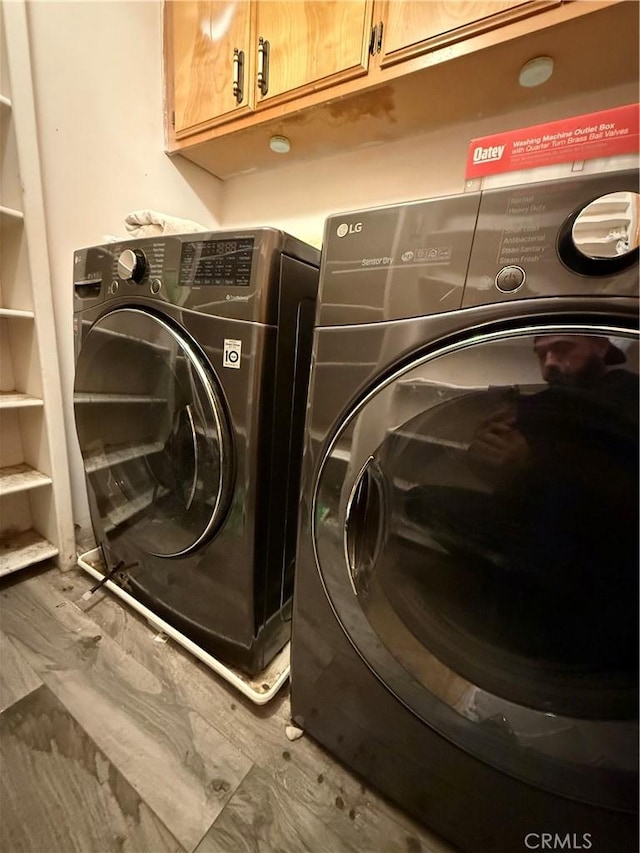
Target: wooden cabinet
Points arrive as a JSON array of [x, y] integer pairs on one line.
[[208, 60], [415, 27], [35, 497], [224, 59], [344, 74], [312, 43]]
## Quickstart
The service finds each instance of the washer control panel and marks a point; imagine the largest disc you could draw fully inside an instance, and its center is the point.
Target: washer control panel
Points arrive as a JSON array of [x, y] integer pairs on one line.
[[234, 274], [217, 263]]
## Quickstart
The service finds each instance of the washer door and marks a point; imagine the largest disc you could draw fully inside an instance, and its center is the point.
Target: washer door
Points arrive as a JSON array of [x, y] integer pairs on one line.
[[153, 433], [476, 532]]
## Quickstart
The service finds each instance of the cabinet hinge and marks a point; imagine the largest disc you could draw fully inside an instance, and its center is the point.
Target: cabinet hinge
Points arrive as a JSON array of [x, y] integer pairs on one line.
[[375, 41], [173, 119]]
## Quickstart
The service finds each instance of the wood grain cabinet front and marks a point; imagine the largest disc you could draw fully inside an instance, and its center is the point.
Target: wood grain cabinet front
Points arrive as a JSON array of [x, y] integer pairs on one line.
[[311, 45], [412, 27], [207, 61], [226, 59]]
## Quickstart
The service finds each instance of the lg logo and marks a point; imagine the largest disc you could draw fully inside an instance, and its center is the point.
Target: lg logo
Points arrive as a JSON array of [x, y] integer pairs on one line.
[[344, 229]]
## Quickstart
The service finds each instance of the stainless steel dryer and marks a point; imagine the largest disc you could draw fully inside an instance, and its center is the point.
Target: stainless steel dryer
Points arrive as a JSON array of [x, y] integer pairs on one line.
[[192, 360], [465, 629]]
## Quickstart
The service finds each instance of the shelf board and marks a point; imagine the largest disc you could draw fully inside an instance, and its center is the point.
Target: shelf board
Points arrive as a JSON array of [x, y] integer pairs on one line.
[[11, 212], [122, 514], [609, 220], [118, 456], [86, 398], [24, 549], [20, 478], [111, 333], [16, 400], [18, 313]]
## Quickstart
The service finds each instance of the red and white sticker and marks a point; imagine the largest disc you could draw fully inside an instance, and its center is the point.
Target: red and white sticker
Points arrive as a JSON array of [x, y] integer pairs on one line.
[[602, 134]]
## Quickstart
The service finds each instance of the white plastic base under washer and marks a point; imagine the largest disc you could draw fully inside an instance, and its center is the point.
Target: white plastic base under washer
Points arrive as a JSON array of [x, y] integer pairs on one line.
[[260, 688]]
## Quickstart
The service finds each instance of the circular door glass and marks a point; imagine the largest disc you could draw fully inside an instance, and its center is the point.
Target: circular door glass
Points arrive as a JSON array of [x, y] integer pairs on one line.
[[602, 238], [476, 528], [153, 434], [608, 227]]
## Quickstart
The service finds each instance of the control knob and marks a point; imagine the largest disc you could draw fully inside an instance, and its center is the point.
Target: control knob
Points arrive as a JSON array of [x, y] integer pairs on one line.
[[132, 265]]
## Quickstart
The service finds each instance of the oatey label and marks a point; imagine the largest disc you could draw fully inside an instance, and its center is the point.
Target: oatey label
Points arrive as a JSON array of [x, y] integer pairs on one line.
[[231, 353], [603, 134]]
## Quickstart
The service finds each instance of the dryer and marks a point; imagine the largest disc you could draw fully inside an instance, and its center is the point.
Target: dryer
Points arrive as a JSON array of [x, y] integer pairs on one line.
[[192, 360], [465, 629]]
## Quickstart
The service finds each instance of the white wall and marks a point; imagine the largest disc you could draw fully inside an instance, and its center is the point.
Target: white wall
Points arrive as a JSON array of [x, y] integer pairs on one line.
[[300, 197], [97, 70], [99, 99]]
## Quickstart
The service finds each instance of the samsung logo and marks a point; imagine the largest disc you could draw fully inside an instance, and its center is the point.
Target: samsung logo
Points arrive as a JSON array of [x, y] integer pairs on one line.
[[344, 228]]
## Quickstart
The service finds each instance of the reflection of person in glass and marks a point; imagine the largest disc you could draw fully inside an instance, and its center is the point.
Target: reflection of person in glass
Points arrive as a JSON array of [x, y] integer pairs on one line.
[[554, 534], [582, 363]]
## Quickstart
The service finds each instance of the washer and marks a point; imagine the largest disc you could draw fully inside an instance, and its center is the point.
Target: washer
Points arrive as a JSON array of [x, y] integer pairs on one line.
[[466, 606], [192, 361]]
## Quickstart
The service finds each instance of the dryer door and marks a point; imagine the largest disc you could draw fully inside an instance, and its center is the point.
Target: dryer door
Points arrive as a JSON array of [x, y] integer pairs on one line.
[[153, 433], [476, 530]]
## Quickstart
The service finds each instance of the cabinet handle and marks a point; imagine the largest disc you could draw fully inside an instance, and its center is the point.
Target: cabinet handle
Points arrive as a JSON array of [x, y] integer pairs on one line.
[[263, 66], [238, 74]]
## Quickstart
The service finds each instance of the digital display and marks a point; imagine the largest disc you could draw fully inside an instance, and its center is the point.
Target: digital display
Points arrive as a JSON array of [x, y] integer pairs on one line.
[[217, 263]]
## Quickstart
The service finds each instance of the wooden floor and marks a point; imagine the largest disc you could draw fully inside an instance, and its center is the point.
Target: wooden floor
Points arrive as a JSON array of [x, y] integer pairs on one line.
[[113, 738]]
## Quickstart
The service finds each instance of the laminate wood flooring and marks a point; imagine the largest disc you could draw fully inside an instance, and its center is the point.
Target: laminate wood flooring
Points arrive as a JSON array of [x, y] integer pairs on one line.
[[60, 793], [114, 738], [17, 679]]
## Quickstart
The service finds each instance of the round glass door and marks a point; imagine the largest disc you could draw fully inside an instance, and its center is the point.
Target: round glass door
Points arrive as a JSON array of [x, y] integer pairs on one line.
[[153, 433], [476, 529]]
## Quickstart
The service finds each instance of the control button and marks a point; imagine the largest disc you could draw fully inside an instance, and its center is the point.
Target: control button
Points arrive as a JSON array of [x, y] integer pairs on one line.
[[113, 287], [510, 279], [156, 284], [132, 265]]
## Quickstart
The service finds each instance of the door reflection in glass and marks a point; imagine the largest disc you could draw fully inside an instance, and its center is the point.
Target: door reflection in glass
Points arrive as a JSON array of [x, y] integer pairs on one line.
[[149, 433], [510, 548]]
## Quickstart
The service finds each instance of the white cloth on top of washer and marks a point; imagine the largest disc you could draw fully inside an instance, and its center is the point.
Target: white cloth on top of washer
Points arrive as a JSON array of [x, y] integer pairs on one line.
[[151, 223]]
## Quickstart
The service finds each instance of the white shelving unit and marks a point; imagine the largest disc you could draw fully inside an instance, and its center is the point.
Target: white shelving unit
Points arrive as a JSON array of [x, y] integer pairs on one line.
[[36, 521]]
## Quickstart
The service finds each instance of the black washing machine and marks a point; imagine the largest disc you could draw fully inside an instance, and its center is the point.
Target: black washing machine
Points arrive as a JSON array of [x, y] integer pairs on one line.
[[465, 630], [192, 363]]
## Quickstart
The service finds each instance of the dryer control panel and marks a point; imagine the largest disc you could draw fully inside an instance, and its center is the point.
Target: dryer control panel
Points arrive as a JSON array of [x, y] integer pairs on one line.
[[573, 237]]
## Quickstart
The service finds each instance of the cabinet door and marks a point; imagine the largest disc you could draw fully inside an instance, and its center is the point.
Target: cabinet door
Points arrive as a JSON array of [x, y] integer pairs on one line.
[[312, 43], [201, 38], [415, 27]]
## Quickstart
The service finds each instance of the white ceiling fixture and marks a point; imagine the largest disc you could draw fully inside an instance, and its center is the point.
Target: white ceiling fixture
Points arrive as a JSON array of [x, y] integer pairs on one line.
[[536, 72], [280, 144]]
